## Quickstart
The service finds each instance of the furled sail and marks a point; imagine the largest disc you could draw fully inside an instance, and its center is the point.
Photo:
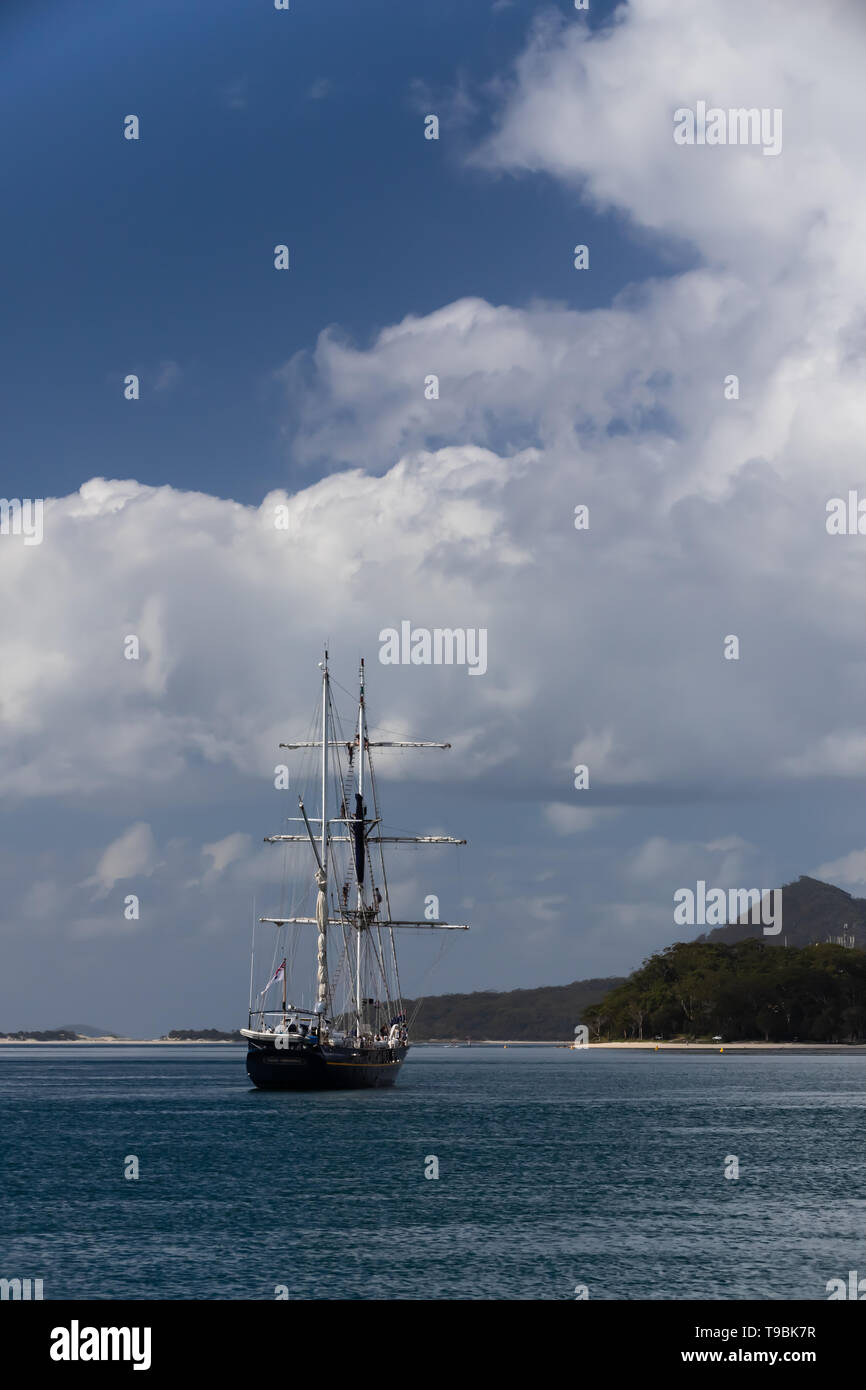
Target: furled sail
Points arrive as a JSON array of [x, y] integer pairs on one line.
[[322, 923], [357, 831]]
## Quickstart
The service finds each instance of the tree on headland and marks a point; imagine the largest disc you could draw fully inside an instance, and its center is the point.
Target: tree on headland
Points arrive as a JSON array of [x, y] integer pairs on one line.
[[747, 990]]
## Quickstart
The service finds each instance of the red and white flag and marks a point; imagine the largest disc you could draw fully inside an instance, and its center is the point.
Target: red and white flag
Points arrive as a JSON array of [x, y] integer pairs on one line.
[[280, 972]]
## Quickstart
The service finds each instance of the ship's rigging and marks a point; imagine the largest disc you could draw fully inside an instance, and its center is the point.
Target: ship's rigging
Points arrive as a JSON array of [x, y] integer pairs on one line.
[[358, 994]]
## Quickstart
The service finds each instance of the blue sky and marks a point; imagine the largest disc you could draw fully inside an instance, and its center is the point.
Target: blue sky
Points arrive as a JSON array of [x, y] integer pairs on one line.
[[256, 128], [412, 257]]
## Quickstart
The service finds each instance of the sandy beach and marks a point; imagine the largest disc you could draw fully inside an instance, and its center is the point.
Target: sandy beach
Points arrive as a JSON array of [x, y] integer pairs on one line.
[[731, 1047]]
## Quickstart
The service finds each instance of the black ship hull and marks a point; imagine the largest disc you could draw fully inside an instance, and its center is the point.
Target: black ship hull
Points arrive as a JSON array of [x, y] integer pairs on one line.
[[308, 1067]]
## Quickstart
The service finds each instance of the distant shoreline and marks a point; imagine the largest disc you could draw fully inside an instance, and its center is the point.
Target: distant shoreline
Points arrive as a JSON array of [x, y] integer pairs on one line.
[[121, 1042], [813, 1048]]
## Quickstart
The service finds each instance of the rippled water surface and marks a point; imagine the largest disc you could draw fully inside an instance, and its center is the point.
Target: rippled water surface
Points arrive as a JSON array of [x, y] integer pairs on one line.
[[556, 1168]]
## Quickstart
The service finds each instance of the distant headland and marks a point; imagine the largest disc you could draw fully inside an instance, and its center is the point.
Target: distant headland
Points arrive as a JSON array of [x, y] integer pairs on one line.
[[734, 984]]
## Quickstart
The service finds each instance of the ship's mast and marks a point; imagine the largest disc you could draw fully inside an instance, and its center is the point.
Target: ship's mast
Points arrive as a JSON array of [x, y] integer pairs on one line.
[[368, 912], [322, 873], [360, 903], [324, 850]]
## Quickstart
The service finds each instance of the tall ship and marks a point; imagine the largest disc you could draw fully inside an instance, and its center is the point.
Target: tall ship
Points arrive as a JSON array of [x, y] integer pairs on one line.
[[355, 1032]]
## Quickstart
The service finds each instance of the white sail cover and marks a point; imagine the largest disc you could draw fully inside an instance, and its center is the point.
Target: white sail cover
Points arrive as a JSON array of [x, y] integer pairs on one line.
[[322, 922]]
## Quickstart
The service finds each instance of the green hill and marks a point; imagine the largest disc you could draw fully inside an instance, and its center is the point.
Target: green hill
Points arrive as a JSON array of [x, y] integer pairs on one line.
[[547, 1014], [747, 990], [812, 911]]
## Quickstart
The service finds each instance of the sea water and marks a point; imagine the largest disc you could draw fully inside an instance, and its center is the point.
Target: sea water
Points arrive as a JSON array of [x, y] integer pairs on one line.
[[558, 1171]]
